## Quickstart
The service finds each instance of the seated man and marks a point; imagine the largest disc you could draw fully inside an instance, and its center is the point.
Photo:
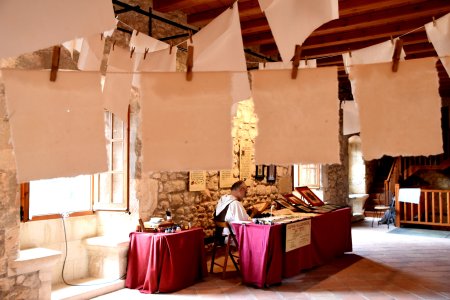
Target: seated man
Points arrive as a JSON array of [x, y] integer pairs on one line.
[[229, 208]]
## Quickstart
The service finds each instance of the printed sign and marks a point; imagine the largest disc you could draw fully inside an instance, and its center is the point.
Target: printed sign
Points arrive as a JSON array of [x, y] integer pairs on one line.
[[298, 235], [197, 181]]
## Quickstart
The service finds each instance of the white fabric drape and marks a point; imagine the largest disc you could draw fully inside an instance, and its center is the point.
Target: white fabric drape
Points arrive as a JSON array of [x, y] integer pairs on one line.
[[186, 125], [57, 128], [292, 21], [439, 35], [400, 113], [26, 26], [298, 119]]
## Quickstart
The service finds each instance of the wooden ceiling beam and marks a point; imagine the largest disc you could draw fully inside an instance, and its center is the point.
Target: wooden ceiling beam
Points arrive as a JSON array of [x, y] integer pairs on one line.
[[172, 5], [434, 8], [247, 10]]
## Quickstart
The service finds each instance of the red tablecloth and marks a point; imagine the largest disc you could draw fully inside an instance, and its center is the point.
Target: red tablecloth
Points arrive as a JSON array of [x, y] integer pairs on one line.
[[261, 247], [165, 262]]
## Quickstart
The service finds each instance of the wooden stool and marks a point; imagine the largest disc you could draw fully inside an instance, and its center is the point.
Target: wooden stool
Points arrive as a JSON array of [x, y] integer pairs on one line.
[[228, 249]]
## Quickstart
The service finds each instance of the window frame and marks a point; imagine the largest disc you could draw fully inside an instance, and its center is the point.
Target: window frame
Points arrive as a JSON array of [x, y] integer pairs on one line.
[[296, 173]]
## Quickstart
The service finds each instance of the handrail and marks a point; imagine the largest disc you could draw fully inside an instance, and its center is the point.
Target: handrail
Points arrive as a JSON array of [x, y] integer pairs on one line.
[[388, 183]]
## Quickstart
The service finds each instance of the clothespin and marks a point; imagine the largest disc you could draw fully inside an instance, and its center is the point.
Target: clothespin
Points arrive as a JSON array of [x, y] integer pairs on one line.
[[137, 32], [132, 51], [296, 61], [306, 61], [264, 64], [349, 53], [396, 55], [392, 40], [190, 36], [434, 22], [114, 43], [55, 62], [190, 63], [145, 52], [170, 49], [101, 36]]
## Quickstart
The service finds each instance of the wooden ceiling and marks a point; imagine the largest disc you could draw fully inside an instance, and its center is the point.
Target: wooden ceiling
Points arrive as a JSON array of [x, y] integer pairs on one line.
[[361, 23]]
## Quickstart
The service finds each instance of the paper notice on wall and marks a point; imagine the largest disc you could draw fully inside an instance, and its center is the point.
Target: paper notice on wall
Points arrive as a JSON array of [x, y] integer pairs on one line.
[[26, 26], [197, 181], [245, 160], [410, 195], [298, 235], [57, 128], [226, 178]]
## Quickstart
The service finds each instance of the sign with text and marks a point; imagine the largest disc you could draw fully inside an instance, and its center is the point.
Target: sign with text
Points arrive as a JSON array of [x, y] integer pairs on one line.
[[245, 160], [298, 234], [197, 181], [226, 178]]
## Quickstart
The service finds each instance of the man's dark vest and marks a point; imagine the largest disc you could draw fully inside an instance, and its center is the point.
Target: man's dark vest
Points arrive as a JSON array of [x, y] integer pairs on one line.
[[221, 218]]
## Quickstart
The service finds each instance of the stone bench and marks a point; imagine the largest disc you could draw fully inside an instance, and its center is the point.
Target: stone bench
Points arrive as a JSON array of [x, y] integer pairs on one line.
[[107, 256], [40, 260]]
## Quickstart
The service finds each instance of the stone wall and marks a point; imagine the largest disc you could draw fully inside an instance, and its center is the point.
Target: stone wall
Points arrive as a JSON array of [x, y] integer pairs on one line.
[[335, 176]]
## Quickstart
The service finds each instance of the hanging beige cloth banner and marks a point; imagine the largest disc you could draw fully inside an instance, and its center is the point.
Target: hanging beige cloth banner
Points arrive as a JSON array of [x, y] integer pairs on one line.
[[378, 53], [298, 119], [279, 65], [158, 61], [186, 125], [438, 33], [117, 89], [351, 117], [91, 53], [57, 128], [26, 26], [218, 47], [292, 21], [400, 113]]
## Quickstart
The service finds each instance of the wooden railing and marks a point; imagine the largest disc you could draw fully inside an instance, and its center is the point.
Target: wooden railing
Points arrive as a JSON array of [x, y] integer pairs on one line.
[[392, 180], [432, 209]]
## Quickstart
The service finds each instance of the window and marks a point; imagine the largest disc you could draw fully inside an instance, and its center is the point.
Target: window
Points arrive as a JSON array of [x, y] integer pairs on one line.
[[46, 199], [307, 175], [111, 187]]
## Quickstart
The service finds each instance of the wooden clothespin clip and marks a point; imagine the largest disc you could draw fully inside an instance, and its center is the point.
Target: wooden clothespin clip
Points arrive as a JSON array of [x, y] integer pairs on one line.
[[132, 51], [190, 36], [190, 63], [101, 36], [145, 52], [296, 61], [306, 61], [349, 53], [434, 21], [264, 64], [137, 32], [396, 55], [170, 49], [392, 40], [55, 62], [114, 43]]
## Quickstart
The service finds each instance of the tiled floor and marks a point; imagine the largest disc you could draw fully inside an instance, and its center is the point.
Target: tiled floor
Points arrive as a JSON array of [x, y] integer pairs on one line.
[[382, 266]]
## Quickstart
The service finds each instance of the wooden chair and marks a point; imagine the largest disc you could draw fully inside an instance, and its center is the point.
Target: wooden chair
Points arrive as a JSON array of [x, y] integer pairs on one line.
[[229, 248]]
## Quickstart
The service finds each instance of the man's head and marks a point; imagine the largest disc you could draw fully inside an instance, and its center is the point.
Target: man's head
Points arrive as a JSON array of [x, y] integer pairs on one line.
[[239, 190]]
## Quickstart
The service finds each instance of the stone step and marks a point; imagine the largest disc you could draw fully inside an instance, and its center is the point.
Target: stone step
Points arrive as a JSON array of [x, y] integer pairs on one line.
[[86, 288]]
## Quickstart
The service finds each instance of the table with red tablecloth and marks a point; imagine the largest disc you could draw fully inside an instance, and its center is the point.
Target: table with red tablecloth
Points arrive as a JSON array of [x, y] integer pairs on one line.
[[263, 260], [165, 262]]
